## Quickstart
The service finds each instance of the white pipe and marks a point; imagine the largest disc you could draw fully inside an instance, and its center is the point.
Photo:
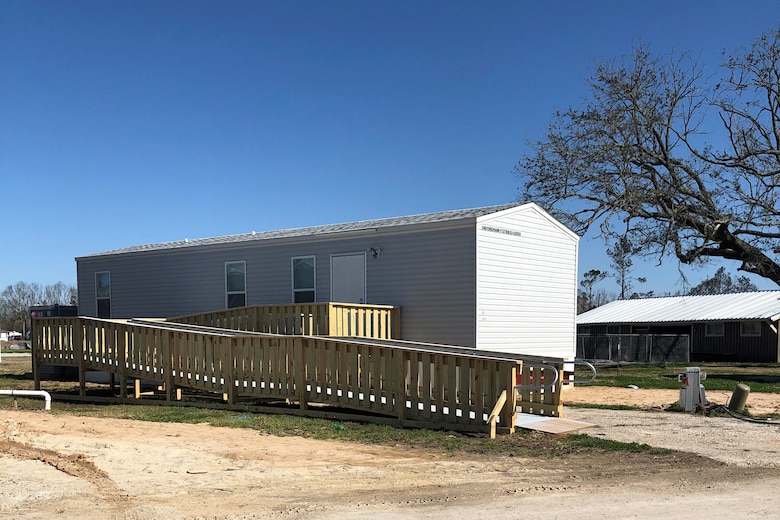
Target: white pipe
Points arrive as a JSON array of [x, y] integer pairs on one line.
[[30, 393]]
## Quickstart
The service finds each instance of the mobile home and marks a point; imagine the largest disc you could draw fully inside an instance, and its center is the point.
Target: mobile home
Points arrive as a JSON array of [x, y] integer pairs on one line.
[[500, 278]]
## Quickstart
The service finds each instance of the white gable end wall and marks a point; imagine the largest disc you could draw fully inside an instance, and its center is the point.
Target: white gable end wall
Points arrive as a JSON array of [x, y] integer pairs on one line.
[[526, 283]]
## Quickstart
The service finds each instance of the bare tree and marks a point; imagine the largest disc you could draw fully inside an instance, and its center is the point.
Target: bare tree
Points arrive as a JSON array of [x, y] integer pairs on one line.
[[14, 303], [640, 156], [59, 293], [16, 299]]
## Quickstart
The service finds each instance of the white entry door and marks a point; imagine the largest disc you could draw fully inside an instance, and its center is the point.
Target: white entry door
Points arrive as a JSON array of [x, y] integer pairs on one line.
[[348, 278]]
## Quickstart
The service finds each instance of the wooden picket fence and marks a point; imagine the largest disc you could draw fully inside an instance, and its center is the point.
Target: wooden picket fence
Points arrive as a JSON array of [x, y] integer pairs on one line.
[[413, 384]]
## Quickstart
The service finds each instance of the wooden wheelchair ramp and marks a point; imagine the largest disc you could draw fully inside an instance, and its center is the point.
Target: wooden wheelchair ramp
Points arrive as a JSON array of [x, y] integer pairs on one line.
[[403, 383]]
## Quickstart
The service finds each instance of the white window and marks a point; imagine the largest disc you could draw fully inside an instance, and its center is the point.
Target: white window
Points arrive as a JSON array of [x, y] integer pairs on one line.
[[750, 328], [235, 284], [303, 278], [713, 329], [103, 294]]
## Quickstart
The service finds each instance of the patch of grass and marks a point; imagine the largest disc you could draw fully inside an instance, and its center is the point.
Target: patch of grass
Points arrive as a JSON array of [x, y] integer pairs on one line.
[[151, 413], [280, 425], [675, 407], [720, 376], [586, 441], [523, 443]]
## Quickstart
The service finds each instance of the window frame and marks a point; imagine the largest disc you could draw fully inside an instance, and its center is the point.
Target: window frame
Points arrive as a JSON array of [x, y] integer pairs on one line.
[[719, 333], [748, 334], [228, 292], [301, 290], [102, 297]]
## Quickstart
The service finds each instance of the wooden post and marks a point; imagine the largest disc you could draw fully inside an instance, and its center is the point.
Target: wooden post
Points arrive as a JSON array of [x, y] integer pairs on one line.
[[229, 368], [300, 346], [396, 320], [121, 345], [332, 320], [78, 339], [167, 363], [36, 349], [495, 413], [400, 378], [509, 412], [558, 411]]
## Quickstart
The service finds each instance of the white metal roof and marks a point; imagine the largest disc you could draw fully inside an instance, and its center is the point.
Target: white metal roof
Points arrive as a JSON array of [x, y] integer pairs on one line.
[[761, 305]]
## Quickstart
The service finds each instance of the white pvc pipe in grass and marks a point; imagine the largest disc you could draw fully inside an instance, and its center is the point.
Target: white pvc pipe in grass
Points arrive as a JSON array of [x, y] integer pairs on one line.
[[30, 393]]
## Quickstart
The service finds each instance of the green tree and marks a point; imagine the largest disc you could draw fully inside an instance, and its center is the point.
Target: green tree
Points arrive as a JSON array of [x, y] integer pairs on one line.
[[586, 300], [621, 254], [688, 161], [722, 283]]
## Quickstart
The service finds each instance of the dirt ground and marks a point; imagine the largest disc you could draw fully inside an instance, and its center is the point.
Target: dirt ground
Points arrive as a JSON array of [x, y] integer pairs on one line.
[[58, 466]]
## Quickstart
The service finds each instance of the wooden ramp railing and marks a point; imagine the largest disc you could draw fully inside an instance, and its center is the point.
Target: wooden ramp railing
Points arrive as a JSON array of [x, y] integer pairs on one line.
[[419, 386], [539, 379], [308, 319]]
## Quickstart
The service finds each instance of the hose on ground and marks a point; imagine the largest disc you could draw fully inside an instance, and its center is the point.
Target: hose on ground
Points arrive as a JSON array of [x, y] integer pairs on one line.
[[721, 408]]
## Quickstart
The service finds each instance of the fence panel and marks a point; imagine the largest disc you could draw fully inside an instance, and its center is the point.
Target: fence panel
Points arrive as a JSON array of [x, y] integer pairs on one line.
[[635, 348]]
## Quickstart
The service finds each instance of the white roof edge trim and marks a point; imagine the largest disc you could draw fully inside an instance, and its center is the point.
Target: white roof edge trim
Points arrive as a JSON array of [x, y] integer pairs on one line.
[[530, 206]]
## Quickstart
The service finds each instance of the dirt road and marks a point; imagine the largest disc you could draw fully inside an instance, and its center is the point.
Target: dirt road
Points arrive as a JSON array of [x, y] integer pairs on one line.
[[60, 466]]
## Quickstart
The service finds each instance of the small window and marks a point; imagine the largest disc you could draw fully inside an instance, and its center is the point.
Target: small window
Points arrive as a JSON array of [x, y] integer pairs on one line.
[[235, 284], [103, 294], [713, 329], [303, 269], [750, 328]]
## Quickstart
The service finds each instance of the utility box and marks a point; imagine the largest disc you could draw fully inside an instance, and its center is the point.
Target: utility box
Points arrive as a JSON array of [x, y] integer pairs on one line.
[[49, 311], [692, 391]]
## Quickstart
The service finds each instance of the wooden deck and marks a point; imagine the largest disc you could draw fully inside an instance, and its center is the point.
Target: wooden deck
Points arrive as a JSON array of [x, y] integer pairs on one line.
[[309, 319], [409, 384]]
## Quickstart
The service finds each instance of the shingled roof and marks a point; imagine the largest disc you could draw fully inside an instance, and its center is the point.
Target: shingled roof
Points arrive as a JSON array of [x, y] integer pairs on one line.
[[330, 229]]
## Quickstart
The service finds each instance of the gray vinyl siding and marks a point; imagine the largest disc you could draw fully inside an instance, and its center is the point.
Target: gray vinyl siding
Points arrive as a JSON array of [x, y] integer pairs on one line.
[[430, 273], [160, 284], [432, 276]]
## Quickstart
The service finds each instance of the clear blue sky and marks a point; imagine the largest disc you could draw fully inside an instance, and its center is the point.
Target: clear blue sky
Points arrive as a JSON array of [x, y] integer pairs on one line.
[[126, 123]]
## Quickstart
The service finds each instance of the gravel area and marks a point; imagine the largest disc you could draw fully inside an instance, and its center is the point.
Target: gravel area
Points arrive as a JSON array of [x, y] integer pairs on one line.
[[725, 439]]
